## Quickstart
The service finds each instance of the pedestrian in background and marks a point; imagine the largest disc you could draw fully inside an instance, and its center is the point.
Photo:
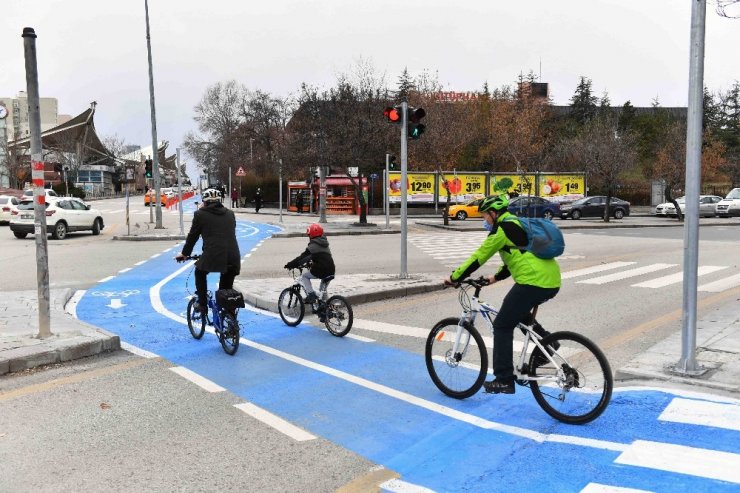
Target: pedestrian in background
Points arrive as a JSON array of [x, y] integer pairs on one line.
[[234, 198], [299, 201], [257, 200]]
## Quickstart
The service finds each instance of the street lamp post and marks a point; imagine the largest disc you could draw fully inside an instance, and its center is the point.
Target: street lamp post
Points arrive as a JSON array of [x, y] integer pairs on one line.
[[155, 153]]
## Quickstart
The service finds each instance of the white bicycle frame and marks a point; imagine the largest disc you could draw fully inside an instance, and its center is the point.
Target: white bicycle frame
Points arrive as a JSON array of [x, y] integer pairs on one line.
[[488, 313]]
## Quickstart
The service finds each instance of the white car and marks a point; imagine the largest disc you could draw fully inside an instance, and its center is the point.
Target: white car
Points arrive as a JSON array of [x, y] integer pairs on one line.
[[63, 215], [730, 205], [8, 204], [706, 206], [28, 194]]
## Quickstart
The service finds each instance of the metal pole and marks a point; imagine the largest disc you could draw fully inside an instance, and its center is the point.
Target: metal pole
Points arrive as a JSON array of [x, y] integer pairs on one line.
[[687, 364], [128, 222], [155, 148], [151, 192], [37, 176], [179, 193], [404, 182], [229, 185], [280, 193], [322, 193], [386, 181], [66, 184]]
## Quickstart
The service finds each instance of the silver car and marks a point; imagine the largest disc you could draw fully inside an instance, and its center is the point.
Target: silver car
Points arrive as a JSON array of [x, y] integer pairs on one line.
[[707, 204]]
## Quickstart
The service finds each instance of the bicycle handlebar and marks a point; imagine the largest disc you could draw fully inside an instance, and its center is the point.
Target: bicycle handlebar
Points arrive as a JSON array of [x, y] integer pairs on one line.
[[189, 257], [476, 283]]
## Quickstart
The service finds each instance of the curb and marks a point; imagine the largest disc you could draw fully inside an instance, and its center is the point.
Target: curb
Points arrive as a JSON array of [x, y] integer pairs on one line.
[[628, 374], [150, 238], [301, 234]]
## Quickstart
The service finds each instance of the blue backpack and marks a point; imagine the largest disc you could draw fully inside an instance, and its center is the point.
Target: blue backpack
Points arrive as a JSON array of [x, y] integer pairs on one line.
[[545, 240]]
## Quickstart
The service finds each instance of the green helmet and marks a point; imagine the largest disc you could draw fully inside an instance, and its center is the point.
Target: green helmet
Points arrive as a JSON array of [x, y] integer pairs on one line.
[[494, 202]]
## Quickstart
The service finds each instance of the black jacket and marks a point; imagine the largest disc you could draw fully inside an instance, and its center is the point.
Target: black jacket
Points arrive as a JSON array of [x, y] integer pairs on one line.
[[217, 226], [317, 251]]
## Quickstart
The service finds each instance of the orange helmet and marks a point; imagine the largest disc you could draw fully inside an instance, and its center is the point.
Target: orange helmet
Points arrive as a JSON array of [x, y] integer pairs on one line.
[[314, 230]]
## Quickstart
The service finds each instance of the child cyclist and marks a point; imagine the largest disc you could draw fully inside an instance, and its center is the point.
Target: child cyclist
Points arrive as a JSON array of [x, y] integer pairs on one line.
[[322, 263], [536, 281]]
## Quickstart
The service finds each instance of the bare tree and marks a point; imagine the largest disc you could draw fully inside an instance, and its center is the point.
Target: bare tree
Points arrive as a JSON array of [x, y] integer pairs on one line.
[[728, 8]]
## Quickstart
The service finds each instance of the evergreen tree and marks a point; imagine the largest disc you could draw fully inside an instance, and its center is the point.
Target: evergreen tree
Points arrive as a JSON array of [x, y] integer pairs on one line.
[[583, 102], [405, 85], [712, 118], [626, 117]]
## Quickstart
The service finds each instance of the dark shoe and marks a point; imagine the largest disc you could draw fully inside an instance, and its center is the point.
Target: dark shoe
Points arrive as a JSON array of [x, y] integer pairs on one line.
[[311, 298], [540, 331], [196, 307], [499, 387]]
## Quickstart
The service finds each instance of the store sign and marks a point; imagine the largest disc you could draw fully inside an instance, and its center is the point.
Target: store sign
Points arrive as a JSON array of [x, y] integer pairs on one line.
[[462, 187], [419, 189]]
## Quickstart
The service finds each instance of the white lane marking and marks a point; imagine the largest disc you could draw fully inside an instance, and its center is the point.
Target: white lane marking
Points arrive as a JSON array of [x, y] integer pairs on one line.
[[155, 255], [596, 268], [399, 486], [71, 306], [140, 263], [124, 270], [107, 279], [677, 277], [198, 380], [360, 338], [702, 413], [721, 285], [724, 466], [138, 351], [387, 328], [606, 488], [281, 425], [626, 274]]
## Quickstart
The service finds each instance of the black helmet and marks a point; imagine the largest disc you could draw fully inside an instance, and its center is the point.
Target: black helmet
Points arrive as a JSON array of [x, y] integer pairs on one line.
[[494, 202]]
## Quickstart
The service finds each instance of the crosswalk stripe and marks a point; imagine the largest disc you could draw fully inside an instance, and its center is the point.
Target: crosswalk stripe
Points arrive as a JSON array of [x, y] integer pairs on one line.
[[724, 466], [593, 270], [721, 285], [703, 413], [626, 274], [677, 277], [605, 488]]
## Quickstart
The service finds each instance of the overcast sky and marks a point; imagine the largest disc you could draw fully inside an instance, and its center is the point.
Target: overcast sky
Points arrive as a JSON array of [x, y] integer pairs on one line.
[[89, 50]]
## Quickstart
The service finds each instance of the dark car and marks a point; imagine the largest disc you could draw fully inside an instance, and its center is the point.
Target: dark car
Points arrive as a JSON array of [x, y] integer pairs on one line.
[[594, 207], [533, 207]]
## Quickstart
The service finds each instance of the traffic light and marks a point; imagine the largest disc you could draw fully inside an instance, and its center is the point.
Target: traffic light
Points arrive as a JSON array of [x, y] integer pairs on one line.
[[392, 162], [393, 114], [415, 127], [148, 168]]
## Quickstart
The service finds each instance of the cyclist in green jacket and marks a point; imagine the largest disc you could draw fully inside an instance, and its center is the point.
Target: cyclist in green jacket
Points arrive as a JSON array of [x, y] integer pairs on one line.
[[536, 281]]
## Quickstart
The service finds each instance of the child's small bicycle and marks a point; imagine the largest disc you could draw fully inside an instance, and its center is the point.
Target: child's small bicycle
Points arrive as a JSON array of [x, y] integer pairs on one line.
[[335, 312], [223, 321]]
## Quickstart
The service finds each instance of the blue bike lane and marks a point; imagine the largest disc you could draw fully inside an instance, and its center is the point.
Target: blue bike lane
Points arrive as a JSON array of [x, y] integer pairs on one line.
[[379, 402]]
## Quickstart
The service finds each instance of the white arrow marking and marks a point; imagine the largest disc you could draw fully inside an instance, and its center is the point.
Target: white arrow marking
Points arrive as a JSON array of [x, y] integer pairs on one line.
[[116, 303]]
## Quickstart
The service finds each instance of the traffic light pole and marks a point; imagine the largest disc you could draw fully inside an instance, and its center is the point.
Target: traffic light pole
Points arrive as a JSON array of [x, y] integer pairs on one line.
[[404, 184], [386, 181], [37, 178], [322, 193], [179, 193]]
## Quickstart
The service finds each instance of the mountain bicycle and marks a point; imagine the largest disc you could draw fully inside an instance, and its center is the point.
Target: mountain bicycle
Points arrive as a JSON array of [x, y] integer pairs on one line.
[[569, 376], [335, 312], [224, 322]]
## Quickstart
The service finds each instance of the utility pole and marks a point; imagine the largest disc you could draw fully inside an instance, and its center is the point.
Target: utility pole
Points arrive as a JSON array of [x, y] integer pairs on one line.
[[37, 176], [404, 182], [322, 193], [386, 181], [155, 148], [229, 193], [688, 365], [280, 192], [179, 192]]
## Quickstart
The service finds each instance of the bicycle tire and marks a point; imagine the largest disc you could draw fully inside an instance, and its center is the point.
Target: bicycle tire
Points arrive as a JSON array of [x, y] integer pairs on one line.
[[460, 375], [338, 316], [582, 398], [290, 307], [229, 336], [196, 322]]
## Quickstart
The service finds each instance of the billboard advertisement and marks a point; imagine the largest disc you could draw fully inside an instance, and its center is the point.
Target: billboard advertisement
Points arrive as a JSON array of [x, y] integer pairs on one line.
[[512, 183], [420, 187], [562, 187], [463, 186]]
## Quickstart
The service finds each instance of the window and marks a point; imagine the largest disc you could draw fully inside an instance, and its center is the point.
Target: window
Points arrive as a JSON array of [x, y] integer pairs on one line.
[[76, 204]]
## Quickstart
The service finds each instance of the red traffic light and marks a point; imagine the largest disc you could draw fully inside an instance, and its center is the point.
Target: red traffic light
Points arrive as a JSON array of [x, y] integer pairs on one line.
[[392, 114]]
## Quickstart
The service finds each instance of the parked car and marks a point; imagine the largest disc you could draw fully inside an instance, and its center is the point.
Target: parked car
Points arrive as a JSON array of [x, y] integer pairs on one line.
[[48, 191], [730, 205], [533, 207], [594, 207], [63, 215], [164, 194], [7, 205], [464, 211], [707, 204]]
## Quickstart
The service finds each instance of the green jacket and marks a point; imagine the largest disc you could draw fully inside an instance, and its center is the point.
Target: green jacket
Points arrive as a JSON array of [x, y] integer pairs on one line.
[[523, 266]]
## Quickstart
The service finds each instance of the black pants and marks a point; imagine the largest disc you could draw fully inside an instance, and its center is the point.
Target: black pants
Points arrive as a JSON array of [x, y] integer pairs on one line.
[[201, 283], [515, 308]]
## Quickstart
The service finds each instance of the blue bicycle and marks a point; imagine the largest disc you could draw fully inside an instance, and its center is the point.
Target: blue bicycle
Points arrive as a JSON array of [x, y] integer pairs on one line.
[[222, 320]]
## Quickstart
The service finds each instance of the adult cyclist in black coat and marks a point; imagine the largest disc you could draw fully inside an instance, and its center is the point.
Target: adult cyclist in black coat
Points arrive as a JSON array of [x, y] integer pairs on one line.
[[217, 226]]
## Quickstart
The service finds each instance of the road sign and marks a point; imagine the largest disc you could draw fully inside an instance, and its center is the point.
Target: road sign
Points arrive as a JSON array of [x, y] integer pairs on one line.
[[240, 172]]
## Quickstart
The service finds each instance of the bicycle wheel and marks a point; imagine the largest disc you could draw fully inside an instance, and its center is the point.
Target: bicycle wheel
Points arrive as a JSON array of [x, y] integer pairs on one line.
[[582, 380], [290, 306], [338, 315], [229, 335], [459, 373], [196, 320]]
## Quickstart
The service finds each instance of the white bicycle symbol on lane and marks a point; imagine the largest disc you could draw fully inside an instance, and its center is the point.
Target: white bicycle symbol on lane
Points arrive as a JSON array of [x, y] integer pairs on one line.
[[116, 294]]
